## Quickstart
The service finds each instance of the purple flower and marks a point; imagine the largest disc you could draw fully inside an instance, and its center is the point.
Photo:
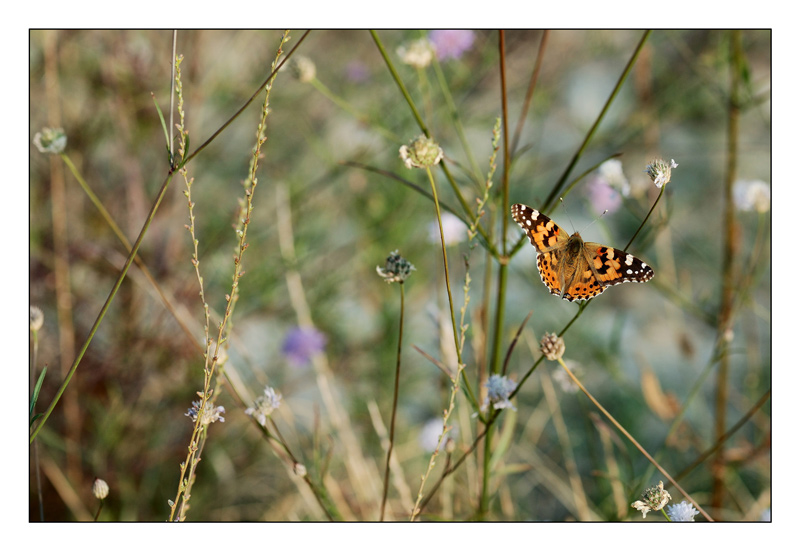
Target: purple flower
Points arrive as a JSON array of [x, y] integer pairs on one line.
[[451, 43], [602, 196], [356, 71], [302, 343]]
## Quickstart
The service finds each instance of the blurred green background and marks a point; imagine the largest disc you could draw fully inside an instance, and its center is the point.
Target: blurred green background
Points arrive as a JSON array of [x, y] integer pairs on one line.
[[639, 348]]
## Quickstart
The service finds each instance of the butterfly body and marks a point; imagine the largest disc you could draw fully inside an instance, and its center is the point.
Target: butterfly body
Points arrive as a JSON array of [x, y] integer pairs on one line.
[[572, 268]]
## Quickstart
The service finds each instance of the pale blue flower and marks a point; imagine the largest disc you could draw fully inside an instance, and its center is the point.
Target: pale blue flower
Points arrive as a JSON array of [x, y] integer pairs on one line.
[[499, 388], [682, 512]]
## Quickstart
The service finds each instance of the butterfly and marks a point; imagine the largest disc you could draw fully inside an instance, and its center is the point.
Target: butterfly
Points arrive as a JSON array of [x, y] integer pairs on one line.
[[571, 267]]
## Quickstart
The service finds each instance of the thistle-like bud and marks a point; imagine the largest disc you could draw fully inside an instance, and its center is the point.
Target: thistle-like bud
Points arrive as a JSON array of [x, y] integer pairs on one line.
[[653, 499], [396, 270], [552, 346], [421, 153]]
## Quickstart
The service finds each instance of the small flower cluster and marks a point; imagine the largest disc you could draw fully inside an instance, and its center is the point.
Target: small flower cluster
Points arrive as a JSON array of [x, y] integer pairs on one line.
[[423, 152], [659, 171], [264, 405], [499, 388], [653, 499], [396, 270], [209, 413]]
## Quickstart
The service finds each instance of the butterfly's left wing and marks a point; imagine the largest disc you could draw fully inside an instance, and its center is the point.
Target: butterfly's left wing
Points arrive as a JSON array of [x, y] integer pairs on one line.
[[545, 235]]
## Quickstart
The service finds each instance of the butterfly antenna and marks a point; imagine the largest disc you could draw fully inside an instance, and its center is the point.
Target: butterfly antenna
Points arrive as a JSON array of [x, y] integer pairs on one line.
[[595, 220], [564, 206]]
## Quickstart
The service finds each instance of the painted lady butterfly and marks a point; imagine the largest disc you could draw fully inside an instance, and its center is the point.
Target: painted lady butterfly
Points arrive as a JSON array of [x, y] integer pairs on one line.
[[572, 268]]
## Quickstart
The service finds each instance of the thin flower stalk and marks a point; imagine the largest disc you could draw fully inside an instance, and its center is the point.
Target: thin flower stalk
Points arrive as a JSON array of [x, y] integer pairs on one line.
[[135, 249], [180, 504], [394, 403], [453, 184], [632, 439], [467, 386], [502, 276]]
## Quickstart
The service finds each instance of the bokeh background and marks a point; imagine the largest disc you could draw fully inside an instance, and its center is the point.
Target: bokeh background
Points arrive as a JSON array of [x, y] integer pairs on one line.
[[641, 349]]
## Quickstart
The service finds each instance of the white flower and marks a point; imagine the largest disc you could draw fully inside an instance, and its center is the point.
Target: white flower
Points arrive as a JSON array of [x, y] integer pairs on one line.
[[682, 512], [565, 381], [454, 229], [751, 195], [264, 406], [611, 172], [418, 53], [100, 488], [428, 437], [37, 318], [303, 68], [659, 171]]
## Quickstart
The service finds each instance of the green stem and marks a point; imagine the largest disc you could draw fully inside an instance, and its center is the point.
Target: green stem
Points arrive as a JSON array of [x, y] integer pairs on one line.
[[554, 193], [646, 217], [105, 307], [467, 385], [464, 204], [394, 403]]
